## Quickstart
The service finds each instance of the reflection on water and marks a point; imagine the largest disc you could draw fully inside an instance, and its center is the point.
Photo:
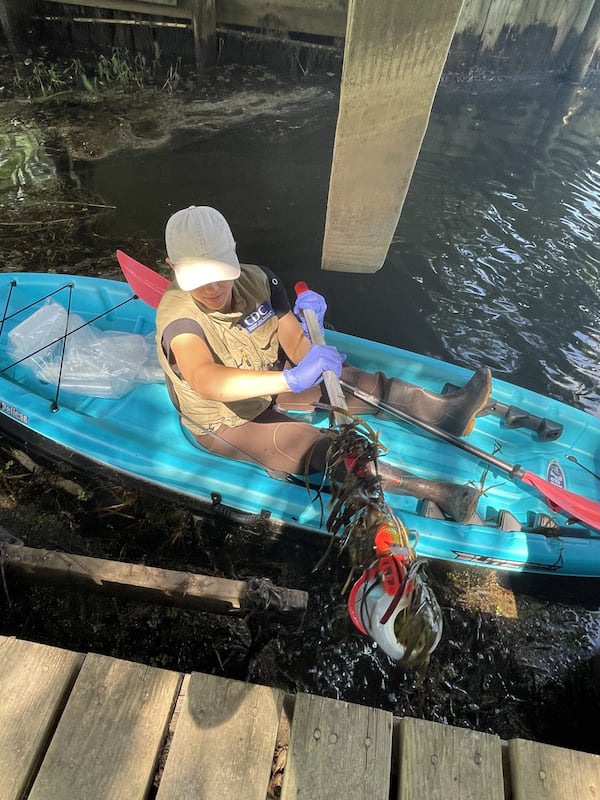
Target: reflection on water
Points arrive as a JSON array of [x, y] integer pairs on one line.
[[495, 259], [24, 162], [518, 212]]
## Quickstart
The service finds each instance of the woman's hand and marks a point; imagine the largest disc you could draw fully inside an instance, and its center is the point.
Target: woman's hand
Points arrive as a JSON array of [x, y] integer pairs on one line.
[[309, 372], [313, 302]]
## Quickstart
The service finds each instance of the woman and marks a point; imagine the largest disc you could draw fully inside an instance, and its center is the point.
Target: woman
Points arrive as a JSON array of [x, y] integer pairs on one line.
[[236, 356]]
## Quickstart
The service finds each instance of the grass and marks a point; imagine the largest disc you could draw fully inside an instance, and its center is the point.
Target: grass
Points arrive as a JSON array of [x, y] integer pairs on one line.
[[121, 70]]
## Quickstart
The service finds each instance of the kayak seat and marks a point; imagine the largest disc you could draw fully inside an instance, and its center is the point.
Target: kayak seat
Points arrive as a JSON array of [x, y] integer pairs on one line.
[[503, 520], [430, 510]]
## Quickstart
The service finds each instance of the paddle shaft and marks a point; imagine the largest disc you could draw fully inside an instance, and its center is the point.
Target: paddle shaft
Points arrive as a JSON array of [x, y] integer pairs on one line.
[[558, 498], [330, 379], [381, 405]]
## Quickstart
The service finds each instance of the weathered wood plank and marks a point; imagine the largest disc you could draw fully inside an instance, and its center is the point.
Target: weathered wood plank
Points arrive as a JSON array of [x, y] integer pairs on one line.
[[224, 741], [438, 761], [320, 17], [148, 584], [587, 46], [108, 739], [160, 2], [34, 684], [338, 750], [393, 58], [546, 772]]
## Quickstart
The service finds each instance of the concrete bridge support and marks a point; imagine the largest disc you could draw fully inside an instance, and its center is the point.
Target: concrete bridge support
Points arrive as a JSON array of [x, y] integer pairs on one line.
[[393, 58]]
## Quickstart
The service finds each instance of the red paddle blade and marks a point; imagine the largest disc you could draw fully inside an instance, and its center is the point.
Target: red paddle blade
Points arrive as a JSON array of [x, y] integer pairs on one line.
[[145, 282], [571, 504]]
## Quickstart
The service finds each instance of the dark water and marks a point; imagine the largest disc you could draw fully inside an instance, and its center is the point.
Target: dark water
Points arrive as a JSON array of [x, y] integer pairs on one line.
[[496, 256]]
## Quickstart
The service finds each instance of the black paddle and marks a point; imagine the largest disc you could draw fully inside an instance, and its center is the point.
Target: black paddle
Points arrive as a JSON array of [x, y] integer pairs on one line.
[[559, 499]]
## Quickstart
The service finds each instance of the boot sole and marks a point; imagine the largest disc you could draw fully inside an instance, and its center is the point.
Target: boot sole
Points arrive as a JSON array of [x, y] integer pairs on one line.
[[471, 423]]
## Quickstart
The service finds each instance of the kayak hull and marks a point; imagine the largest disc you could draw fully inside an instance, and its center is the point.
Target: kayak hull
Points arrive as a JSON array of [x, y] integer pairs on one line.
[[138, 438]]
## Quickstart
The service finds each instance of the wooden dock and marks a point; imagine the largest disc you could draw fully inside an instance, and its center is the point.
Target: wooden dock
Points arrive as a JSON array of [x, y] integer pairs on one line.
[[93, 727]]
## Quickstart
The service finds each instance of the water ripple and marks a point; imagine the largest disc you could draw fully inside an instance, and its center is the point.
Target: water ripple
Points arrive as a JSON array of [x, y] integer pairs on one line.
[[521, 270]]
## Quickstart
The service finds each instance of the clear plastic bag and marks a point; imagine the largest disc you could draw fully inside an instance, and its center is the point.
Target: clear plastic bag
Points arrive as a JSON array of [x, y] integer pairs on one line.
[[96, 363]]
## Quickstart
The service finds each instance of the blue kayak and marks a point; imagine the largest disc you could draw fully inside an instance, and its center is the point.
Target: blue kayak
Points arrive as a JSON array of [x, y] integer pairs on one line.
[[96, 399]]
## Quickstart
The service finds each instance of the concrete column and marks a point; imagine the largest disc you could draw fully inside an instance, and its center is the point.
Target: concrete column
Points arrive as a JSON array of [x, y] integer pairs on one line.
[[394, 54]]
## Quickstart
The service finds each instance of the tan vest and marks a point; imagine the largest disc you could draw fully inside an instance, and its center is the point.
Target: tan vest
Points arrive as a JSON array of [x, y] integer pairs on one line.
[[245, 338]]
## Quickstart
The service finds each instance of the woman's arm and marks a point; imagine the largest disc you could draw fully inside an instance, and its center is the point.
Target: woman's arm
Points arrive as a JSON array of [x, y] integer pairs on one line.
[[292, 339], [213, 381]]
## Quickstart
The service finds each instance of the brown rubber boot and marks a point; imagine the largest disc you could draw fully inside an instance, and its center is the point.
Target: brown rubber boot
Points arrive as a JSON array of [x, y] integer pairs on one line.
[[457, 501], [454, 413]]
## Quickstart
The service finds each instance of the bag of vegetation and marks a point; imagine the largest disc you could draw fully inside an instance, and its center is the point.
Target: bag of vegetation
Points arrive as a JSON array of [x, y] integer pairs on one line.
[[95, 362]]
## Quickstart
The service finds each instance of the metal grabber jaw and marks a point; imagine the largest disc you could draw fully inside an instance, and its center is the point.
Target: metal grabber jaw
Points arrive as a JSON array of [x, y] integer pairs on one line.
[[392, 603]]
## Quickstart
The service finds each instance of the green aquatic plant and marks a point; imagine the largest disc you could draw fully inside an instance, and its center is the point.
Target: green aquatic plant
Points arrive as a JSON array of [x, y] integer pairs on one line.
[[35, 78], [121, 70]]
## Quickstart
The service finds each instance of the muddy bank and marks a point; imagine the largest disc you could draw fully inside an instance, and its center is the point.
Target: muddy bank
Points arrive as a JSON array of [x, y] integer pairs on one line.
[[515, 663]]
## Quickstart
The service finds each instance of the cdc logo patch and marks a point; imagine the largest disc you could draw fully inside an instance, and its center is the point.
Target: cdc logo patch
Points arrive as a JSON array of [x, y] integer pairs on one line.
[[255, 319]]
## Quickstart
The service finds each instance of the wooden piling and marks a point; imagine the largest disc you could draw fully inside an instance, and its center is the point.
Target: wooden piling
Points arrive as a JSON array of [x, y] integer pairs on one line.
[[204, 27], [13, 19], [588, 44]]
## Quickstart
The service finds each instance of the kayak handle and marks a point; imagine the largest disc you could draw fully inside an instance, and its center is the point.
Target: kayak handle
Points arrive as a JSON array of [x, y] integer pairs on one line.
[[239, 517]]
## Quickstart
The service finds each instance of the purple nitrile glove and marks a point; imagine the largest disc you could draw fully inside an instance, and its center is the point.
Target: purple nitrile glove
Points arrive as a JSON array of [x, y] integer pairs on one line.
[[315, 302], [310, 370]]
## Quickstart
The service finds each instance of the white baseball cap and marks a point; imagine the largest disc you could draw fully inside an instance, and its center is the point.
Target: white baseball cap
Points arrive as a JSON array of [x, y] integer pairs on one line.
[[201, 247]]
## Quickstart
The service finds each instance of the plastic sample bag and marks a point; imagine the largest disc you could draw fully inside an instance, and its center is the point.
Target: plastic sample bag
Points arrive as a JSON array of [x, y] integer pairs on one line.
[[96, 363]]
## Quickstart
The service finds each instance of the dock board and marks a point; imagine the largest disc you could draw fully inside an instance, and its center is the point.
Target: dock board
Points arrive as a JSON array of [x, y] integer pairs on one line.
[[98, 728], [224, 741], [109, 736], [436, 760], [338, 750], [35, 683], [552, 773]]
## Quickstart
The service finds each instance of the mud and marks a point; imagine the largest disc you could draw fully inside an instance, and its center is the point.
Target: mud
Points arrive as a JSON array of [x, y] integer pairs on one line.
[[518, 658]]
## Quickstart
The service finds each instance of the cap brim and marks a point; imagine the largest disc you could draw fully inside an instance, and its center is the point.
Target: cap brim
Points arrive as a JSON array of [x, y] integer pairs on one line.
[[192, 273]]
